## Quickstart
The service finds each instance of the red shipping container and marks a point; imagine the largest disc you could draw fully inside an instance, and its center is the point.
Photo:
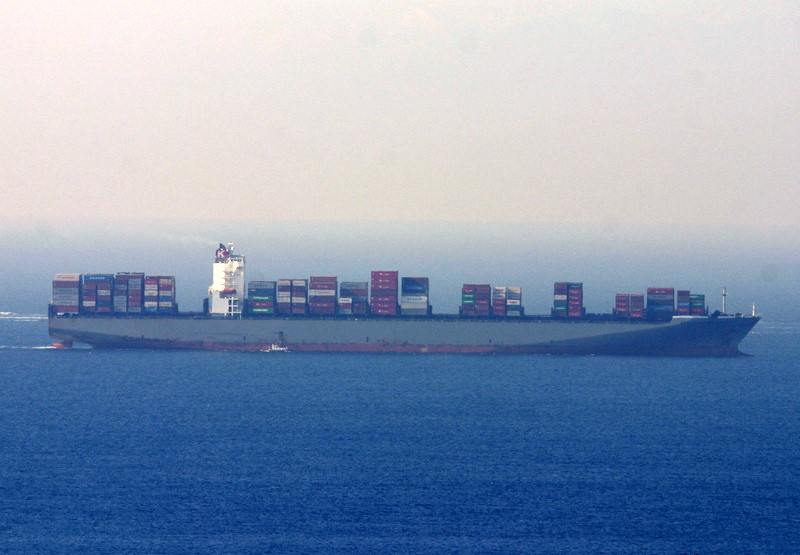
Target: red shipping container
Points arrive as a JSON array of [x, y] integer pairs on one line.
[[322, 303]]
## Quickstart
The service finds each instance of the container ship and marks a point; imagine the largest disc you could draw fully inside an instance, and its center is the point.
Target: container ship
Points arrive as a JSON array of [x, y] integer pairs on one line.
[[387, 314]]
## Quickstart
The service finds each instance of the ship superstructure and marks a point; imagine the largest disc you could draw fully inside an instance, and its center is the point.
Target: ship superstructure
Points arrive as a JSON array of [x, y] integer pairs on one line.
[[227, 291]]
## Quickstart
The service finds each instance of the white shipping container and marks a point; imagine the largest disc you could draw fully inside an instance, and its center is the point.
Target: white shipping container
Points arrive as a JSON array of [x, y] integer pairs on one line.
[[298, 283], [417, 306], [322, 292], [414, 299], [559, 297], [514, 290], [513, 302], [151, 304], [67, 277], [165, 304], [345, 300], [66, 290], [298, 300], [89, 303]]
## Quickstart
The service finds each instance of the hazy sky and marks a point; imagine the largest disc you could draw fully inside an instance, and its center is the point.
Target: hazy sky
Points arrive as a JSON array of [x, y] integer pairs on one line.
[[605, 120]]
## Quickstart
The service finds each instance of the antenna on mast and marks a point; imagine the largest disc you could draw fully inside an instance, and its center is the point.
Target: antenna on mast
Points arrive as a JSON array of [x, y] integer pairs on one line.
[[724, 300]]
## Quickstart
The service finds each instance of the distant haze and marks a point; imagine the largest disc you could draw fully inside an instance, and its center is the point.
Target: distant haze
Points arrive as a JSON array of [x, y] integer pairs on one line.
[[622, 144]]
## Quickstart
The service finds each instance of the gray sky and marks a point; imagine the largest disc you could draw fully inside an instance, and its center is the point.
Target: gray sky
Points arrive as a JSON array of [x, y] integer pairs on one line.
[[602, 121]]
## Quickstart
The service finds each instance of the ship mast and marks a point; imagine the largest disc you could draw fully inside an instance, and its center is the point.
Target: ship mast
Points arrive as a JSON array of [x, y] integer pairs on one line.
[[724, 300]]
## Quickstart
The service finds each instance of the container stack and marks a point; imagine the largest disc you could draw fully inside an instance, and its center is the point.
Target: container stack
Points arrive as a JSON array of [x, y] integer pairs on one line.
[[660, 303], [261, 297], [499, 295], [166, 294], [560, 290], [128, 292], [299, 296], [697, 305], [575, 300], [514, 301], [637, 305], [682, 305], [353, 297], [622, 305], [383, 293], [150, 298], [414, 299], [136, 293], [322, 294], [284, 296], [66, 293], [476, 299], [97, 293], [120, 294], [568, 299]]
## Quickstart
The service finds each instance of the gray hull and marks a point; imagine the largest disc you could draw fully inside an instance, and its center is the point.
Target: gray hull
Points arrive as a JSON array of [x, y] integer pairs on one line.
[[682, 336]]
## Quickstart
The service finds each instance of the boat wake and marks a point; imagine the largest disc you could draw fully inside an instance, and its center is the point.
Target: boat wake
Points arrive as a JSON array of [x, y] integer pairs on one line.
[[24, 347], [13, 316]]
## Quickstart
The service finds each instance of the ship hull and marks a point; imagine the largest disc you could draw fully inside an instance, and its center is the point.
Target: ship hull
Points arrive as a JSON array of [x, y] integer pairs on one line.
[[699, 336]]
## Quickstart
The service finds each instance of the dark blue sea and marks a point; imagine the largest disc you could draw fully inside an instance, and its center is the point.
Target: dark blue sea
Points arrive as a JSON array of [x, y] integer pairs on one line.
[[187, 452]]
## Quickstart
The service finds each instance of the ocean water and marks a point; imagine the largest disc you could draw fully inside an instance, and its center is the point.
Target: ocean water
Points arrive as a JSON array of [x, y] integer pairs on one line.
[[186, 452]]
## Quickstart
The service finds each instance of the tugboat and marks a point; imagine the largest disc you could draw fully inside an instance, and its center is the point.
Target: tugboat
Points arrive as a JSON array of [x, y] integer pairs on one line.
[[278, 347]]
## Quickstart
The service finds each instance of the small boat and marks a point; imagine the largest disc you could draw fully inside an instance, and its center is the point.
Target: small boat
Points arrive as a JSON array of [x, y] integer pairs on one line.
[[275, 348]]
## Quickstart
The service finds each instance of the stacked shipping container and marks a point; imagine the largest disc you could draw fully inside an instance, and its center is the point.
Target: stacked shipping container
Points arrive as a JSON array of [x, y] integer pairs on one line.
[[499, 301], [322, 294], [514, 301], [697, 305], [507, 301], [150, 298], [629, 305], [135, 293], [660, 303], [682, 303], [123, 293], [637, 305], [96, 295], [299, 296], [260, 297], [128, 292], [284, 296], [353, 297], [476, 299], [66, 293], [166, 294], [622, 305], [414, 299], [568, 300], [383, 293]]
